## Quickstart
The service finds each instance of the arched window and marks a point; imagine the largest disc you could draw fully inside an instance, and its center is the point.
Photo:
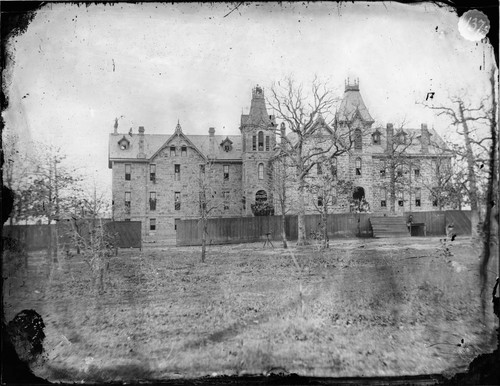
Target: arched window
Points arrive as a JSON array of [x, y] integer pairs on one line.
[[261, 141], [358, 166], [261, 196], [261, 171], [358, 139]]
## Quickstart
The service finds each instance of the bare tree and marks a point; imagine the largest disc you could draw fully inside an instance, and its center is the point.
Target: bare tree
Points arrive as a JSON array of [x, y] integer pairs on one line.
[[327, 189], [440, 183], [467, 120], [281, 181], [397, 164], [211, 199], [308, 117], [492, 183]]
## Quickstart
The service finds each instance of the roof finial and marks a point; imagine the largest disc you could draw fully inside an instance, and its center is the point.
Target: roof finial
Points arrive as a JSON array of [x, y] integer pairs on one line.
[[178, 127]]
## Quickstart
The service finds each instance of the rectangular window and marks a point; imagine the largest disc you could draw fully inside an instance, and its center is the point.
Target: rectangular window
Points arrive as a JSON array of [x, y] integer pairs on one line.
[[202, 169], [383, 198], [128, 171], [382, 168], [225, 195], [358, 139], [203, 203], [226, 172], [152, 173], [434, 202], [184, 151], [172, 151], [400, 199], [417, 173], [334, 167], [319, 169], [177, 200], [358, 166], [127, 202], [418, 194], [254, 143], [267, 143], [320, 201], [177, 172], [152, 201], [152, 224]]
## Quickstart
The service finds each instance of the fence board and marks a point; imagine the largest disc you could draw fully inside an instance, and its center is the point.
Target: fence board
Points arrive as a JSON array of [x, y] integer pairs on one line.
[[253, 229], [36, 237]]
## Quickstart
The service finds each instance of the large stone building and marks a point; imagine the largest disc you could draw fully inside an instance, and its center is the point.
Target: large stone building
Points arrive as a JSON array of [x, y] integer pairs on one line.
[[157, 178]]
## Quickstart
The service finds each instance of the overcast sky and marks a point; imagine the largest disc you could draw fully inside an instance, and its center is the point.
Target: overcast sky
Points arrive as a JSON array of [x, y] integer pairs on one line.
[[76, 68]]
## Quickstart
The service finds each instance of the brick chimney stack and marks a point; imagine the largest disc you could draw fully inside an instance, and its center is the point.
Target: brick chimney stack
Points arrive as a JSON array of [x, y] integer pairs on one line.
[[141, 143], [425, 138], [390, 135], [211, 135]]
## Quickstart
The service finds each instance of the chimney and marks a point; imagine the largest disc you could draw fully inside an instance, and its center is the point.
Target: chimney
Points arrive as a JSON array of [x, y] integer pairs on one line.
[[116, 126], [390, 135], [282, 131], [424, 138], [211, 134], [141, 143]]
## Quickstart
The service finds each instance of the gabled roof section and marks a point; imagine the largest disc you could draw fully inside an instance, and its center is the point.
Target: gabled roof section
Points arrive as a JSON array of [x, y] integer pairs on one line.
[[352, 105], [202, 142], [178, 133]]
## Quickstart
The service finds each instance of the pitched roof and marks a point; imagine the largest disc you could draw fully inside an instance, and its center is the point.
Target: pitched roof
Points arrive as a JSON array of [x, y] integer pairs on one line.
[[154, 142], [352, 103]]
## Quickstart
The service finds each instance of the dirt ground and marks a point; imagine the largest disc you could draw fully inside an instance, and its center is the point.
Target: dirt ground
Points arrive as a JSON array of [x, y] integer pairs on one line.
[[365, 307]]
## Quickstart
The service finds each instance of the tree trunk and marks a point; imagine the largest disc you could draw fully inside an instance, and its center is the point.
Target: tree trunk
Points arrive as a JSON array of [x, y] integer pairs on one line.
[[470, 161], [204, 240], [392, 190], [302, 238], [486, 253], [324, 225], [283, 229]]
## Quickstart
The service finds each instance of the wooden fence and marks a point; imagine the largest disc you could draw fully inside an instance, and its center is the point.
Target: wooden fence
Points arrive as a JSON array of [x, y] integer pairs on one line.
[[253, 229], [36, 237]]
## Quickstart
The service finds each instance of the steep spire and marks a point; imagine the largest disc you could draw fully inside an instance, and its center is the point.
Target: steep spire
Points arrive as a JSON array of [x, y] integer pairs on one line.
[[258, 113], [352, 104]]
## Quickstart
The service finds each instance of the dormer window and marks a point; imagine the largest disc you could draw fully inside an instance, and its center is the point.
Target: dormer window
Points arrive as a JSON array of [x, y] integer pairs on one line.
[[401, 138], [376, 137], [124, 143], [227, 145]]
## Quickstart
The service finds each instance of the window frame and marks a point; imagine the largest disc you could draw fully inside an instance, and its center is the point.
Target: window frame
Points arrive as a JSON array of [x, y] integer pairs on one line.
[[173, 151], [177, 172], [152, 172], [260, 171], [225, 172], [358, 139], [128, 176], [152, 201], [177, 200], [260, 140], [183, 151], [267, 143], [152, 224], [128, 202], [358, 167]]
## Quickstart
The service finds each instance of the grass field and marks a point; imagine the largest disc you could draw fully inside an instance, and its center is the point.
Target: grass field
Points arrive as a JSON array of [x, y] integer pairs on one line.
[[365, 307]]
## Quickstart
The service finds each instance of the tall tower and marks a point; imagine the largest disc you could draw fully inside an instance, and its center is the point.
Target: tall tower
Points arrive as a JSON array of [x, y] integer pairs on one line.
[[259, 139]]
